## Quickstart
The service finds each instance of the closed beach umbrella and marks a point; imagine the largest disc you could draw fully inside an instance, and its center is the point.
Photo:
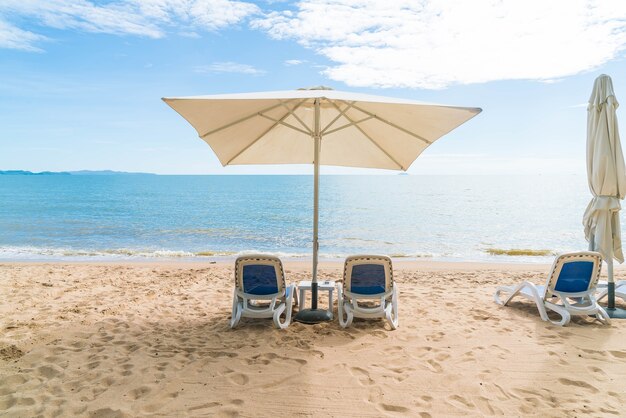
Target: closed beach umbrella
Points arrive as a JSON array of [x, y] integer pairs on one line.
[[318, 126], [607, 179]]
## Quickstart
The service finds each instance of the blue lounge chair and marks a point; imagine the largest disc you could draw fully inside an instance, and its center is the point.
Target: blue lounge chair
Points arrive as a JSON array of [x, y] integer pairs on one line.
[[260, 290], [368, 278], [569, 290]]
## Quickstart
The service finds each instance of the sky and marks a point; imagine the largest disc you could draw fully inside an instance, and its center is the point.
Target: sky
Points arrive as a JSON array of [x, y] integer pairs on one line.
[[81, 81]]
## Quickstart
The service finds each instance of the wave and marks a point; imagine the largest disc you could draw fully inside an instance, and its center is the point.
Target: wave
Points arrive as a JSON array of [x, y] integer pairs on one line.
[[114, 253], [48, 253], [369, 240]]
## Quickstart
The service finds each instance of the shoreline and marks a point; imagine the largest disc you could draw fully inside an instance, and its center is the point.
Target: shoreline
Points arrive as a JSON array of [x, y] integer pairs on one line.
[[300, 264], [303, 265]]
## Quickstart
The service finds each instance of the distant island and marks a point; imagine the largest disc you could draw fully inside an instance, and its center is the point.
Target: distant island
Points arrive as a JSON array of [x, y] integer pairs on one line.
[[68, 173]]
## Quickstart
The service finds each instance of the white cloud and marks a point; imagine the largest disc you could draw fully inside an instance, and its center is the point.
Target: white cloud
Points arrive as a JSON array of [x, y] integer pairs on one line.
[[12, 37], [150, 18], [294, 62], [438, 43], [579, 105], [228, 67], [186, 34]]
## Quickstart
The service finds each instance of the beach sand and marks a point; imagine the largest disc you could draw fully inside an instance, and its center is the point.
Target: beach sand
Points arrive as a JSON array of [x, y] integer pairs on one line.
[[135, 339]]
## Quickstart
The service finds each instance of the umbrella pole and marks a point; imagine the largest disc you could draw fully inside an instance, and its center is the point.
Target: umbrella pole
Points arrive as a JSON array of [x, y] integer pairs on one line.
[[611, 310], [611, 283], [314, 315], [316, 203]]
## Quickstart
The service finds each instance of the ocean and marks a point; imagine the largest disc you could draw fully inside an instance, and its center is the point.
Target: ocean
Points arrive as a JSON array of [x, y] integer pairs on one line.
[[452, 218]]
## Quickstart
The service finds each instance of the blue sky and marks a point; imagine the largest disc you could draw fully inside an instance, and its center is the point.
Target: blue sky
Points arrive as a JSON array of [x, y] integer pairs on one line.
[[82, 80]]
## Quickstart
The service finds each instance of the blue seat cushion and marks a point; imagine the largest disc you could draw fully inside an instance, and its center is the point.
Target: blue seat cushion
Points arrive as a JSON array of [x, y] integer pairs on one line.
[[259, 279], [574, 277], [368, 279]]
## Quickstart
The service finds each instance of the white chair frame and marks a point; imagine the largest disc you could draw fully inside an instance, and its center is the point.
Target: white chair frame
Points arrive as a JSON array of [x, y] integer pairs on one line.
[[348, 302], [565, 304], [245, 305]]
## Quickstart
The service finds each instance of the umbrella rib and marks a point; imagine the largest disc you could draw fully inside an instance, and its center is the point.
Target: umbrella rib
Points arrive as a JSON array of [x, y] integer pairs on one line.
[[288, 125], [245, 118], [263, 134], [372, 140], [347, 125], [406, 131], [291, 112], [338, 116]]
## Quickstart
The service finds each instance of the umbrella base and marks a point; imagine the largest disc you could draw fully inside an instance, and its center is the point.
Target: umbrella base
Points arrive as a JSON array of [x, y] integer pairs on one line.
[[616, 313], [313, 316]]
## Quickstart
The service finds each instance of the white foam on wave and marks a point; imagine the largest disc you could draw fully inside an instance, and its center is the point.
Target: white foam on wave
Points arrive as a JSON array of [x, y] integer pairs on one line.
[[26, 253]]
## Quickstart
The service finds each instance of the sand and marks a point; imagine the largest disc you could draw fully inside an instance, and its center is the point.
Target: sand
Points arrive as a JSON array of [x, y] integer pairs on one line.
[[152, 339]]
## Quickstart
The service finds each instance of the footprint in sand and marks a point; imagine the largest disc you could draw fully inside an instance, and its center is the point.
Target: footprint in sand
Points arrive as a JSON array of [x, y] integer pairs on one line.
[[93, 365], [50, 371], [108, 381], [239, 378], [461, 403], [107, 413], [578, 383], [438, 336], [597, 370], [434, 366], [7, 402], [400, 374], [362, 375], [127, 370], [265, 358], [139, 392], [484, 405], [394, 349], [393, 408], [203, 406], [228, 412]]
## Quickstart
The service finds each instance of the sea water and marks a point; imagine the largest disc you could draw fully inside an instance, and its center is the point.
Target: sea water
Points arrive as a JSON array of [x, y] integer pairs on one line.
[[427, 217]]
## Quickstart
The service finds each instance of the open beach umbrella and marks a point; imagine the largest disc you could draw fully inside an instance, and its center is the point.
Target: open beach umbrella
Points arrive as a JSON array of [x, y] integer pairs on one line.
[[318, 126], [607, 179]]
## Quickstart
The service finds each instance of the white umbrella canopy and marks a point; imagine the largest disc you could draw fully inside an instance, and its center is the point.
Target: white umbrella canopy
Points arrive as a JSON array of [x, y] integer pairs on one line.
[[318, 126], [606, 174], [358, 130]]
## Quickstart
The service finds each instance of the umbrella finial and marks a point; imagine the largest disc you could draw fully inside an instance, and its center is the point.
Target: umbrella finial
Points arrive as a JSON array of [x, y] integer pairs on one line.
[[316, 88], [602, 90]]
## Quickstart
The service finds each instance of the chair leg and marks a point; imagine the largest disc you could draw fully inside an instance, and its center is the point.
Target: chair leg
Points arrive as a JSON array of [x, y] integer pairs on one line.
[[392, 314], [565, 315], [342, 308], [287, 307], [511, 290], [602, 316], [277, 313], [535, 296], [295, 294], [236, 312]]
